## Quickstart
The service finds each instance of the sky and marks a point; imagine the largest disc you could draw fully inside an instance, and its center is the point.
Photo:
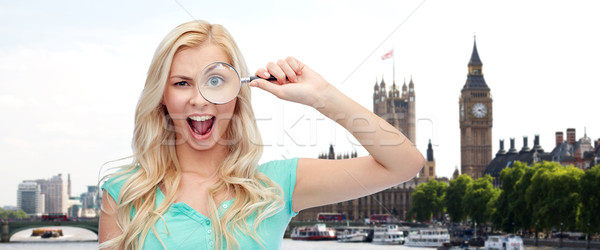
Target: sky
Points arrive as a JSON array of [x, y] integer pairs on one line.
[[71, 72]]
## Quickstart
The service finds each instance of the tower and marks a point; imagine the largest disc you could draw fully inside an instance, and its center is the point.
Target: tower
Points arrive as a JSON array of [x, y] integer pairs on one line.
[[428, 171], [475, 112], [411, 113], [396, 106]]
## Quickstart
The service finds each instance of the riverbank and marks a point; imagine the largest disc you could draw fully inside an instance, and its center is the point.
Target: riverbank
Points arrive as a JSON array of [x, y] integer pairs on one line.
[[554, 243]]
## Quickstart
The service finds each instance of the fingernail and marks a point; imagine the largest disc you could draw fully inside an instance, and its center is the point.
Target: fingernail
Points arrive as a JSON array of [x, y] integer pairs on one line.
[[253, 84], [266, 74]]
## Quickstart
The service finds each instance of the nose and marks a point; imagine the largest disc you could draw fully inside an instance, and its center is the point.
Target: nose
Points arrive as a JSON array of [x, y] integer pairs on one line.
[[197, 99]]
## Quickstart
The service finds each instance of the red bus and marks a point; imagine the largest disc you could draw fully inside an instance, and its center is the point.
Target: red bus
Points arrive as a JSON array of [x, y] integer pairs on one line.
[[331, 217], [54, 217], [380, 218]]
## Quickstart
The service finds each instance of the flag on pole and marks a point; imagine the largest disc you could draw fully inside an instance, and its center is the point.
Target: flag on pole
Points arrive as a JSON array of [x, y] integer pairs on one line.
[[388, 55]]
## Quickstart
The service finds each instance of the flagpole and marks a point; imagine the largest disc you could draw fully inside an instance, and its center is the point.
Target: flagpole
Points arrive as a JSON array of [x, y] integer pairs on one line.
[[394, 66]]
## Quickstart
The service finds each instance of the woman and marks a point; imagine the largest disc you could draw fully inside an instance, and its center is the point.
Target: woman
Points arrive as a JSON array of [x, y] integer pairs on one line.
[[195, 180]]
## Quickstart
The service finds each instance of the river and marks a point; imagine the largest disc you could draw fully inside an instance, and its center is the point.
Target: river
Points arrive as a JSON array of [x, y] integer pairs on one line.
[[81, 239]]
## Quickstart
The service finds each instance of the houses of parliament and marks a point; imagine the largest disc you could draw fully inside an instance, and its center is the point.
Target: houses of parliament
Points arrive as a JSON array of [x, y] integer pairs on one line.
[[397, 106]]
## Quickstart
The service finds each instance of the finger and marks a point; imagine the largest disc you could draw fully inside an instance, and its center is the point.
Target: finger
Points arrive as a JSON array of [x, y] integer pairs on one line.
[[277, 72], [287, 69], [267, 86], [262, 73], [296, 65]]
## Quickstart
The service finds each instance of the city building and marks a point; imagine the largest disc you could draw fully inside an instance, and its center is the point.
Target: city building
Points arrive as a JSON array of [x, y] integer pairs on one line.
[[581, 153], [90, 202], [54, 191], [48, 196], [505, 159], [30, 198], [475, 118], [74, 207]]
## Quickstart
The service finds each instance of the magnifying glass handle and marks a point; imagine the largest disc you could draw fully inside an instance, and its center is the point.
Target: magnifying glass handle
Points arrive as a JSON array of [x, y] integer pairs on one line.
[[252, 78]]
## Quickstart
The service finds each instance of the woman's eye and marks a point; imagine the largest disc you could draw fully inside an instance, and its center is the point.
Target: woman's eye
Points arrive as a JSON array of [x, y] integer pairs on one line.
[[182, 83], [215, 81]]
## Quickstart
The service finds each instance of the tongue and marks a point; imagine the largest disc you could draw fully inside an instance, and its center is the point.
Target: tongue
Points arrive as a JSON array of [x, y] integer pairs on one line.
[[202, 127]]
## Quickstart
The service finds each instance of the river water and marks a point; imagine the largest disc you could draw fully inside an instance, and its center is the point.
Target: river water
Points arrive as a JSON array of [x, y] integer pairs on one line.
[[81, 239]]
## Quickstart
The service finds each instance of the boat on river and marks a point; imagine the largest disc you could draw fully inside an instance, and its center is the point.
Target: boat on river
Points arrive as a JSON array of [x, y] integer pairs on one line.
[[428, 237], [46, 233], [353, 234], [504, 242], [389, 234], [316, 232]]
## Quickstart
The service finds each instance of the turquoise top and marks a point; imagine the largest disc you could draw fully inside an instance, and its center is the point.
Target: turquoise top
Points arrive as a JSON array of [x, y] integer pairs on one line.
[[189, 229]]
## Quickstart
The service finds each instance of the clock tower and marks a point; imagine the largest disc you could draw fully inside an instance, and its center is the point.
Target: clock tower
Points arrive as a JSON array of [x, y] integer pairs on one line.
[[475, 118]]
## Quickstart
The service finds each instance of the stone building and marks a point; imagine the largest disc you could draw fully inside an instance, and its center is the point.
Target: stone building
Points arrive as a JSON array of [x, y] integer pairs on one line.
[[475, 119], [581, 153], [397, 108]]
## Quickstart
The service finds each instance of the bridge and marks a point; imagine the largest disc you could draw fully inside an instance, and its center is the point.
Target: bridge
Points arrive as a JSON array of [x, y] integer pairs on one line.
[[9, 228]]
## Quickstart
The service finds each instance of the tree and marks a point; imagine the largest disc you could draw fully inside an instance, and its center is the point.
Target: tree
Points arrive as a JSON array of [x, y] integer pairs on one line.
[[477, 199], [13, 214], [503, 216], [427, 200], [554, 195], [491, 205], [518, 205], [455, 194], [588, 220]]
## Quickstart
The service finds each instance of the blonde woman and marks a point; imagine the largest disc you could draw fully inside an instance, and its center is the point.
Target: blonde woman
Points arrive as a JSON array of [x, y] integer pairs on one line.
[[195, 182]]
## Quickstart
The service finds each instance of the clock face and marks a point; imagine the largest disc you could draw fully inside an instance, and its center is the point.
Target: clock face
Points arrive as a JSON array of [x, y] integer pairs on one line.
[[479, 110]]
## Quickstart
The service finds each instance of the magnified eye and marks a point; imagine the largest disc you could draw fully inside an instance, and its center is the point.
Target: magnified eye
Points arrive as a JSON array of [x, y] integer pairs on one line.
[[215, 81]]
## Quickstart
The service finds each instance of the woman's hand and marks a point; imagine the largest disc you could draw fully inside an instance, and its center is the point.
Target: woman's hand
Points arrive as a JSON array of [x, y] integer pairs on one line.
[[296, 82]]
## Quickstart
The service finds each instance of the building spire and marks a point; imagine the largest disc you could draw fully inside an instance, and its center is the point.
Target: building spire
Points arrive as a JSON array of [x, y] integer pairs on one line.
[[475, 60], [376, 88], [475, 78], [429, 151]]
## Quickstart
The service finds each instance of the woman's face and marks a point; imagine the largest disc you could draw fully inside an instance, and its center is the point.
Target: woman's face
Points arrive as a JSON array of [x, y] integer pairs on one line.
[[199, 124]]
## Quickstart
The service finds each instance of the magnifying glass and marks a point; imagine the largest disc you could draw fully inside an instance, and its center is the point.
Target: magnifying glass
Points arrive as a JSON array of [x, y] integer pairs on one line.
[[219, 82]]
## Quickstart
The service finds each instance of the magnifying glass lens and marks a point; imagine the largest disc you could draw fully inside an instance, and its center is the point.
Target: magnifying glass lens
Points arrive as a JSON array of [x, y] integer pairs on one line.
[[219, 83]]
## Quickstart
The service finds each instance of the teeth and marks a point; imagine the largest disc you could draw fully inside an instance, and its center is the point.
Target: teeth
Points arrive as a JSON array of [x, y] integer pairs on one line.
[[201, 118]]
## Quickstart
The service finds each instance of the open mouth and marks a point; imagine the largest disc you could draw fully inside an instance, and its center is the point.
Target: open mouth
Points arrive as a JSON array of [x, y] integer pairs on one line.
[[201, 125]]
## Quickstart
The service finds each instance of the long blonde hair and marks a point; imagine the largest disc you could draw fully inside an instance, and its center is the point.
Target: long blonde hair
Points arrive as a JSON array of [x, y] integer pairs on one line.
[[155, 161]]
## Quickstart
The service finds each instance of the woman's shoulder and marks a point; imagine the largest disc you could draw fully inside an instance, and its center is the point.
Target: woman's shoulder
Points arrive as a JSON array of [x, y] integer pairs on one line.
[[278, 167], [282, 172], [115, 182]]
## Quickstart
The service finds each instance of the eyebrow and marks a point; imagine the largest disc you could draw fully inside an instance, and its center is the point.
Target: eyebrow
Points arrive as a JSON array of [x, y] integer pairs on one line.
[[181, 77]]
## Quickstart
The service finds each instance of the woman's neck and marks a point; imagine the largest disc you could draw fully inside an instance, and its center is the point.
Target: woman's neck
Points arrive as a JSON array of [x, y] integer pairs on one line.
[[202, 163]]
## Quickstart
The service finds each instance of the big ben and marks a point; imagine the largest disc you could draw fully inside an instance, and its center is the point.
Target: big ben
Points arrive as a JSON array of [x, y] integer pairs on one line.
[[475, 112]]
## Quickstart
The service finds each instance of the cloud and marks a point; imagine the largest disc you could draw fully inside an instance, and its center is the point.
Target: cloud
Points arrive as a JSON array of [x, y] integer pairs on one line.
[[9, 101], [60, 128]]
